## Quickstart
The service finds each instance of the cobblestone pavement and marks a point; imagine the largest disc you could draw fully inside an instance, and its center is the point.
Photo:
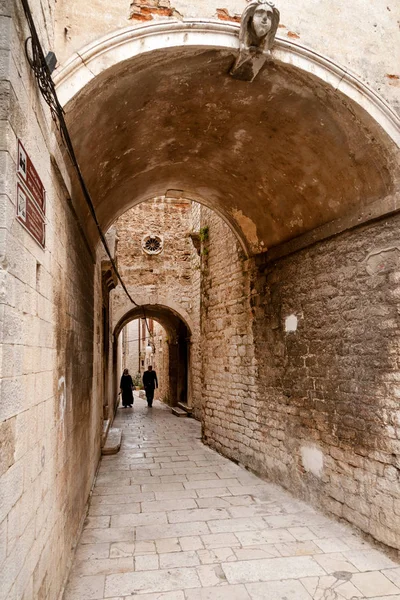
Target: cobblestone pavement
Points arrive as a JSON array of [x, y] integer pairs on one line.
[[170, 519]]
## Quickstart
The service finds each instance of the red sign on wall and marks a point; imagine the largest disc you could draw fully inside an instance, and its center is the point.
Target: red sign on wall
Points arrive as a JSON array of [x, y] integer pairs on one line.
[[30, 177], [31, 197], [30, 216]]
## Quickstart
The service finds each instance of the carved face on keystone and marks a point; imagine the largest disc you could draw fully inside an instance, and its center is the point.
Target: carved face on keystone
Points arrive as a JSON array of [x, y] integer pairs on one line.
[[262, 21]]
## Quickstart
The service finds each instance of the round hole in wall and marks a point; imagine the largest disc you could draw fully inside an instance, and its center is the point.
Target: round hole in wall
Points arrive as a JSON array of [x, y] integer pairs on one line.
[[152, 244]]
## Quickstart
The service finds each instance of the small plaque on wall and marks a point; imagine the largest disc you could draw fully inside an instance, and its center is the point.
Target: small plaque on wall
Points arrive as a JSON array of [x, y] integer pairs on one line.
[[31, 198], [30, 217]]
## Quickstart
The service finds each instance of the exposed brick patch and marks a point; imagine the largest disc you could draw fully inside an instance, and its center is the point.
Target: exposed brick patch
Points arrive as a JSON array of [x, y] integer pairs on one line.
[[393, 79], [223, 15], [146, 10]]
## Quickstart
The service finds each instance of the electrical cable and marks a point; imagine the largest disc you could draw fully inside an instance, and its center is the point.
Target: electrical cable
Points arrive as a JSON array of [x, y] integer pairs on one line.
[[40, 68]]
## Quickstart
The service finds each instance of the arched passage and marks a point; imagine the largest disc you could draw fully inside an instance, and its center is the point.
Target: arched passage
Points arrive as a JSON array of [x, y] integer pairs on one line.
[[303, 145], [178, 342], [153, 111]]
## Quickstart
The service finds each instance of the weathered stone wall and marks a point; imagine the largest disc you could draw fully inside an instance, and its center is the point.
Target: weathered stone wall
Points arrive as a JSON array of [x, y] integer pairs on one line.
[[160, 362], [164, 279], [356, 35], [196, 367], [160, 276], [330, 422], [50, 421], [314, 403], [227, 350]]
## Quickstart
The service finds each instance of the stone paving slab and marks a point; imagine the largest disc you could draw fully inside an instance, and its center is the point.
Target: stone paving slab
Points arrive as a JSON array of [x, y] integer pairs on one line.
[[170, 519]]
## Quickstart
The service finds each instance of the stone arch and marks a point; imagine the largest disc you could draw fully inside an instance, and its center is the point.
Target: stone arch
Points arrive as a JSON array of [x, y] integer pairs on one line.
[[304, 144], [179, 346], [127, 312], [123, 44]]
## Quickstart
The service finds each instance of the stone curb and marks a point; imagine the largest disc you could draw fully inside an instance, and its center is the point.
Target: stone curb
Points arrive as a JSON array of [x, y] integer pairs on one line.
[[113, 442]]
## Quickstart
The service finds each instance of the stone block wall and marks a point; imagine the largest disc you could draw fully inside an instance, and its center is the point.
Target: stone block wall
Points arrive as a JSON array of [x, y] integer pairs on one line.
[[161, 276], [160, 362], [50, 421], [301, 369], [330, 384], [195, 370], [131, 355], [164, 279], [227, 348]]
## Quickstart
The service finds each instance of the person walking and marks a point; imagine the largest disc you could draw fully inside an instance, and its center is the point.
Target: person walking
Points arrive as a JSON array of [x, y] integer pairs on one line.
[[150, 384], [126, 387]]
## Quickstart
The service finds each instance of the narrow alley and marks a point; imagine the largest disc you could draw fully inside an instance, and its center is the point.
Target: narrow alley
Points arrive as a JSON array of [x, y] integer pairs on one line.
[[209, 191], [170, 519]]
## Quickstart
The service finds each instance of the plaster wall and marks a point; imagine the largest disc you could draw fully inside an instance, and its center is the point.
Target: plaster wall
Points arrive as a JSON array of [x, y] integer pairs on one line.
[[300, 369], [361, 36], [50, 420]]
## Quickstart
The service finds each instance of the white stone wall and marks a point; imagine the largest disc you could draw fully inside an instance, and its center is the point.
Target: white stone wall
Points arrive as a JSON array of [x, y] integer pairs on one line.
[[50, 420]]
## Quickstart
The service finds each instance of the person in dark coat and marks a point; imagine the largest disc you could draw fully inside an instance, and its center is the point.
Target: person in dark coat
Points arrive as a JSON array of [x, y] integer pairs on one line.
[[150, 384], [126, 387]]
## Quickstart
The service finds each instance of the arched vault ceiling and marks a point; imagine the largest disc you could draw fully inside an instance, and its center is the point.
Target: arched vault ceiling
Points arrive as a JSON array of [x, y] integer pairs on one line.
[[277, 157]]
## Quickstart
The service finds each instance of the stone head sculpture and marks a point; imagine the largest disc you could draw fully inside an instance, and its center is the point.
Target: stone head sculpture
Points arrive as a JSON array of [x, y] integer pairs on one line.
[[259, 25]]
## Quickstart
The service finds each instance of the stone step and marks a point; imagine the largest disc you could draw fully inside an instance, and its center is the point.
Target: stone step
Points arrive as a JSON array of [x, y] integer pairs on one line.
[[178, 412], [113, 442], [185, 407]]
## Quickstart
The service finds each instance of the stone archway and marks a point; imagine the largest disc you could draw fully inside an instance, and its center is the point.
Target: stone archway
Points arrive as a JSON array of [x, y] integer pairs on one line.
[[305, 144], [302, 146], [179, 348]]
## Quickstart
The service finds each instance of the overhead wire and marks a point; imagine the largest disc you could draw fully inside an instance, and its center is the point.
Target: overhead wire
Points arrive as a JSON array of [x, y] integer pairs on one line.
[[40, 68]]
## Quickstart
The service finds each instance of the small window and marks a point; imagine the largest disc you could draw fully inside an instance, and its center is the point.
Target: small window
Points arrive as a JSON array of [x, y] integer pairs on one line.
[[152, 244]]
